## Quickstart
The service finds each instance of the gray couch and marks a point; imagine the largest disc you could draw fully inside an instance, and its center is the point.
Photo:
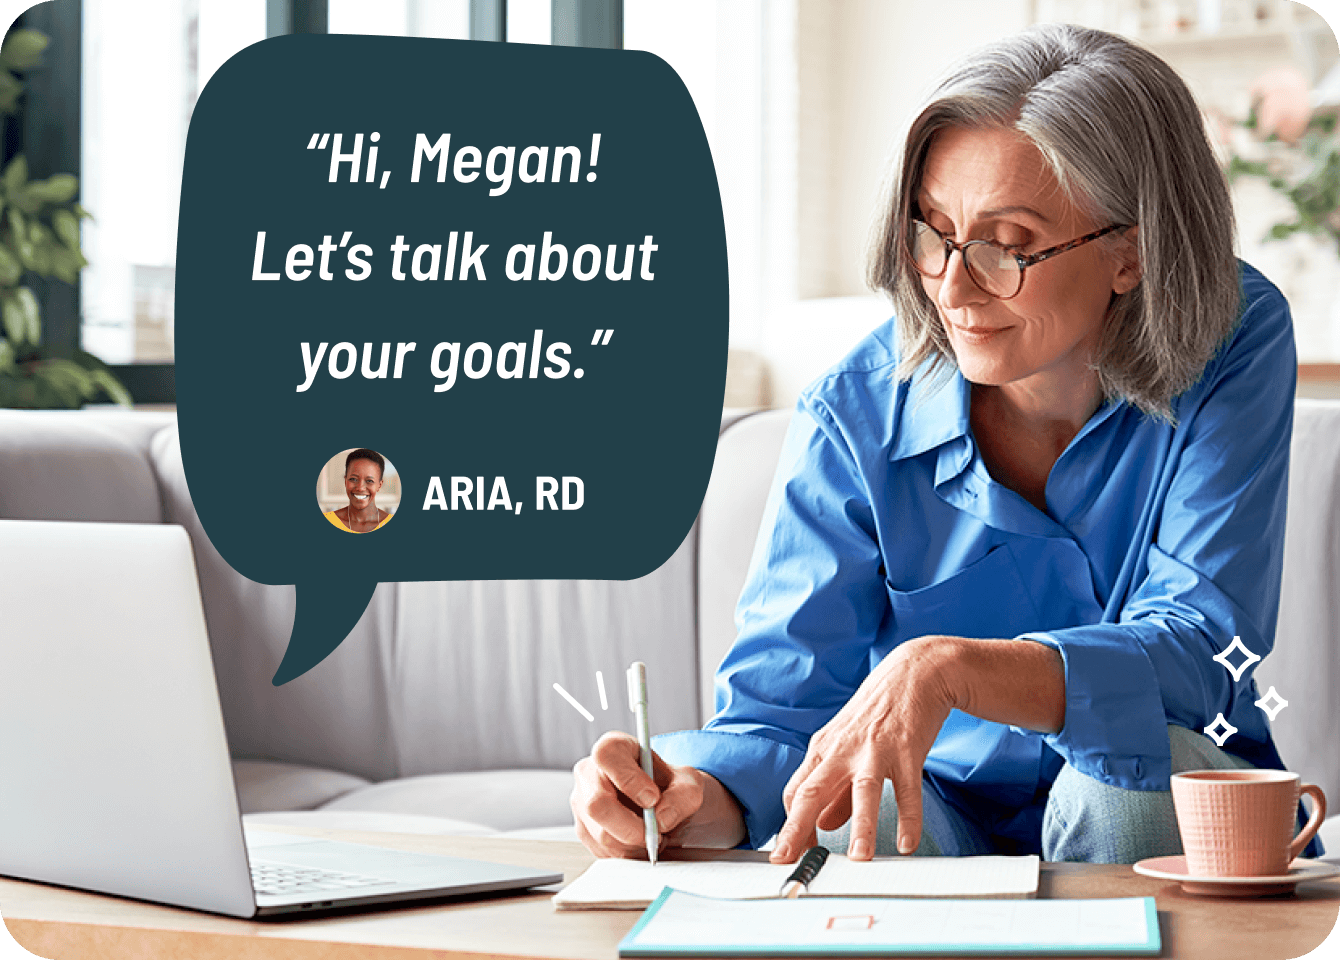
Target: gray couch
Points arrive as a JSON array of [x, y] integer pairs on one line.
[[438, 713]]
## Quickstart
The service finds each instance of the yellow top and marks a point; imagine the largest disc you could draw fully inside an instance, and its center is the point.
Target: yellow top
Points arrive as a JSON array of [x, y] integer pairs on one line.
[[334, 518]]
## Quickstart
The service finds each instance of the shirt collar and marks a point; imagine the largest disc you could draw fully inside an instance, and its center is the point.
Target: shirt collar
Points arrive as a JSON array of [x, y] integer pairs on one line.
[[934, 411]]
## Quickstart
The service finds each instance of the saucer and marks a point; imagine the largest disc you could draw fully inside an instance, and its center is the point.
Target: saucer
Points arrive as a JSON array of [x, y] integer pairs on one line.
[[1174, 868]]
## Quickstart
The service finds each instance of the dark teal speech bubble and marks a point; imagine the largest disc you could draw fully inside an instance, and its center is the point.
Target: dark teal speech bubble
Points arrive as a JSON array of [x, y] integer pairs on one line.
[[502, 267]]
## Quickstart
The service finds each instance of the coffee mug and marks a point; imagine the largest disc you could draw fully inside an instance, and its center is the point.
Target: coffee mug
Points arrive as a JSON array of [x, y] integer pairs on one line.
[[1240, 823]]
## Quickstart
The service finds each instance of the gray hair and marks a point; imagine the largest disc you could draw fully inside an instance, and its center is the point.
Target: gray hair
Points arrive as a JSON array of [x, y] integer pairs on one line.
[[1125, 140]]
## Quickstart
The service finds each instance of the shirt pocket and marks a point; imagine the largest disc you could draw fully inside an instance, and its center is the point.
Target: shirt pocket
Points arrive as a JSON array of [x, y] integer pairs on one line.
[[988, 598]]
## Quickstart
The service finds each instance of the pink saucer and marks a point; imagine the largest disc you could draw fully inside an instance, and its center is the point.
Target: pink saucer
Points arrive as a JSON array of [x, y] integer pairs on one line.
[[1174, 868]]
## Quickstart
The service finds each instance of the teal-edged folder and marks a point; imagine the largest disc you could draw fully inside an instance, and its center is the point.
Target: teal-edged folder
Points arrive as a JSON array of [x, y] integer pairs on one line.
[[681, 924]]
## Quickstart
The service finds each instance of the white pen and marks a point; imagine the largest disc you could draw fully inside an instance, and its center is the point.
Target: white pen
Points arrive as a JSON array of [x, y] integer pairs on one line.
[[637, 702]]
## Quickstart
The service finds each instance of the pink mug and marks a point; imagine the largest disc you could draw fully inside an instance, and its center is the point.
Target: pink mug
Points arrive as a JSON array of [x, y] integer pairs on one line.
[[1240, 823]]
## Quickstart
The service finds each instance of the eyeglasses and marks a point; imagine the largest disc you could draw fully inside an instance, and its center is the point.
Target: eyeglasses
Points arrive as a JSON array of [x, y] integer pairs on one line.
[[995, 269]]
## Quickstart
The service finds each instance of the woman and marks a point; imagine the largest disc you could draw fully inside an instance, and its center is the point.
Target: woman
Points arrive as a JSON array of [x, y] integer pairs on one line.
[[363, 471], [1008, 538]]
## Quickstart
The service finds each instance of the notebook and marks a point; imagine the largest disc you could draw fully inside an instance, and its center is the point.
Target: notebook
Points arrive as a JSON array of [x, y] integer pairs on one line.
[[682, 924], [117, 776], [633, 884]]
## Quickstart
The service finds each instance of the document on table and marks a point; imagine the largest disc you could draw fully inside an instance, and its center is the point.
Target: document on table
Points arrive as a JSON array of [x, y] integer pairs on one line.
[[633, 884], [681, 924]]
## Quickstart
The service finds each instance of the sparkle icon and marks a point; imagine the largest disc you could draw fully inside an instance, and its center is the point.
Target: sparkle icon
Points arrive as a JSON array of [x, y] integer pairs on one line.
[[573, 702], [1272, 703], [576, 704], [1218, 735], [1249, 658]]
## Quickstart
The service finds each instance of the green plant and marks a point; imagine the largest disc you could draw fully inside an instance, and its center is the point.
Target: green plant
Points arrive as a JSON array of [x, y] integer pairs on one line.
[[39, 234], [1307, 174]]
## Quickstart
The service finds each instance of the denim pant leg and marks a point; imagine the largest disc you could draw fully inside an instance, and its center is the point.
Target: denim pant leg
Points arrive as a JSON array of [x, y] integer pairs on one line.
[[945, 832], [1087, 821]]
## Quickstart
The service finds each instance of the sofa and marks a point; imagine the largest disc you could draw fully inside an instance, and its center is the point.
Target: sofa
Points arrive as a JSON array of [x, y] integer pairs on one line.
[[439, 713]]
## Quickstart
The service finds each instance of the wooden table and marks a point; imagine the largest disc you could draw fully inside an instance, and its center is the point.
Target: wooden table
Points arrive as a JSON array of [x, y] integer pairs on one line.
[[57, 923]]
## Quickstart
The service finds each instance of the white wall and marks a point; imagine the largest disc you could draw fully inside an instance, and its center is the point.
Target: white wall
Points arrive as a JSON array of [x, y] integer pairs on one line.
[[844, 80]]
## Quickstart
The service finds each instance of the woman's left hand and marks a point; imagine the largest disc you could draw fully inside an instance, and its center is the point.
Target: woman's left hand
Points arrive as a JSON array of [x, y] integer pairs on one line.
[[884, 732]]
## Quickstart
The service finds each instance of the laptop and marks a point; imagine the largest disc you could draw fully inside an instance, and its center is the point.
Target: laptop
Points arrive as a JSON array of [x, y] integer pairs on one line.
[[115, 765]]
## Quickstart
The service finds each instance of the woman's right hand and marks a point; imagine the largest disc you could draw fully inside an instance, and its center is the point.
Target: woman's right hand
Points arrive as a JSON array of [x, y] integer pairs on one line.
[[610, 791]]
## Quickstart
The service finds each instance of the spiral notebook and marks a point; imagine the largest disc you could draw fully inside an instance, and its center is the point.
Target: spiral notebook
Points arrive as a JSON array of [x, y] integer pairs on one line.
[[633, 884]]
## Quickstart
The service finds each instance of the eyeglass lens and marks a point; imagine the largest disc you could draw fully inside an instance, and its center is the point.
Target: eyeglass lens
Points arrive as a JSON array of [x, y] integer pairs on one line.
[[991, 267]]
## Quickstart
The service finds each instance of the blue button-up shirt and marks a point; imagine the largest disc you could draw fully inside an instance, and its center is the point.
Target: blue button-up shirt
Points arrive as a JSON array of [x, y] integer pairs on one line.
[[1159, 545]]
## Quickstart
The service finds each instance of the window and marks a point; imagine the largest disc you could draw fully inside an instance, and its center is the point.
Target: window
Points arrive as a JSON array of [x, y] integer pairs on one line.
[[135, 114], [142, 74]]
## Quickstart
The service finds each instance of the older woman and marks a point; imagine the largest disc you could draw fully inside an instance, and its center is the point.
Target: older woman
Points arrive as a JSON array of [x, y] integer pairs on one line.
[[1009, 535], [363, 470]]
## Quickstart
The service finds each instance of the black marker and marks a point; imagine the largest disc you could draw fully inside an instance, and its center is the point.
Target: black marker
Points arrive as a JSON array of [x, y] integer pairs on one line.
[[805, 872]]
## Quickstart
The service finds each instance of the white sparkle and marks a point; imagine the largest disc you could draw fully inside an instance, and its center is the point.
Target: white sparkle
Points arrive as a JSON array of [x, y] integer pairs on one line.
[[1272, 703], [1250, 658], [600, 685], [575, 705], [1219, 736]]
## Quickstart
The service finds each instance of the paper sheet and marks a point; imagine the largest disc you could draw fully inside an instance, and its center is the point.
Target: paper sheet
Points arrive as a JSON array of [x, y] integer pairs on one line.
[[632, 884]]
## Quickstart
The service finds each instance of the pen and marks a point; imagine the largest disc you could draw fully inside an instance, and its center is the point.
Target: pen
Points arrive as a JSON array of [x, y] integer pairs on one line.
[[805, 871], [637, 702]]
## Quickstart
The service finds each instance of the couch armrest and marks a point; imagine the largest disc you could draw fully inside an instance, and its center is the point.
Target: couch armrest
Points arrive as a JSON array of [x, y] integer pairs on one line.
[[728, 527]]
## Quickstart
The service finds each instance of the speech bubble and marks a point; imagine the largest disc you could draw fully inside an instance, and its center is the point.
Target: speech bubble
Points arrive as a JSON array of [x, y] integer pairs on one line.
[[503, 267]]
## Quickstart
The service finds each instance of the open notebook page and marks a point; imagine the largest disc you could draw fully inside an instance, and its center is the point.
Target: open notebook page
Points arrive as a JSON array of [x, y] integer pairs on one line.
[[633, 884]]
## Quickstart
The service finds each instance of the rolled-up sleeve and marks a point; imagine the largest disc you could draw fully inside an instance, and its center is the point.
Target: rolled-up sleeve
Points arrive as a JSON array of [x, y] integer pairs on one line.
[[1209, 570], [807, 618]]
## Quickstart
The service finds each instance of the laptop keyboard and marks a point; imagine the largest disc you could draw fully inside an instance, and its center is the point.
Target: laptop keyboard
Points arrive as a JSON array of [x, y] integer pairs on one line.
[[282, 879]]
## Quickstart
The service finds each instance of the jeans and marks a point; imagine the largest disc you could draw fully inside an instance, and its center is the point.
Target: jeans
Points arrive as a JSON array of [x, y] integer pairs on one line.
[[1084, 820]]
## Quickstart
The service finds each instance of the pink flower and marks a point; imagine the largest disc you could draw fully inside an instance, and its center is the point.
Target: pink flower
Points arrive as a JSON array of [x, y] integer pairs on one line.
[[1283, 103]]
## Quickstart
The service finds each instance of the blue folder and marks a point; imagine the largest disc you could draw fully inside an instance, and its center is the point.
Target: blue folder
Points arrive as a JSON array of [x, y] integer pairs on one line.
[[679, 924]]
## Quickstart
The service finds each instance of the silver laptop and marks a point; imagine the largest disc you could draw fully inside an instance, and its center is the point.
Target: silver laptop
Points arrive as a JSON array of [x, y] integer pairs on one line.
[[114, 767]]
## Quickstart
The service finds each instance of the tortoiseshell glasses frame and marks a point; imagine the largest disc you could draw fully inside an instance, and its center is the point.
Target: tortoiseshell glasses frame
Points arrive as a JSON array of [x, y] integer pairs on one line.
[[996, 270]]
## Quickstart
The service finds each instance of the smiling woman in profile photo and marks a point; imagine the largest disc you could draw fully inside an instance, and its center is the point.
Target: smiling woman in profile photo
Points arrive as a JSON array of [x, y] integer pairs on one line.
[[363, 478]]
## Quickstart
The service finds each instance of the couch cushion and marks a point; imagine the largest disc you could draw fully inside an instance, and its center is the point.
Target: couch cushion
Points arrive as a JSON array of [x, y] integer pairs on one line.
[[1304, 666], [498, 799], [79, 465], [271, 785], [474, 663]]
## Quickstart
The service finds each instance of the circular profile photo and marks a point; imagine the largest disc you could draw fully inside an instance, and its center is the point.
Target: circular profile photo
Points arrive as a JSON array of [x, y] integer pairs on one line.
[[358, 490]]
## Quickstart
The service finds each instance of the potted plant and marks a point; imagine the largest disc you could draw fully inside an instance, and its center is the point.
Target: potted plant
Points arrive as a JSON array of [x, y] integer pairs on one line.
[[1297, 153], [39, 234]]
